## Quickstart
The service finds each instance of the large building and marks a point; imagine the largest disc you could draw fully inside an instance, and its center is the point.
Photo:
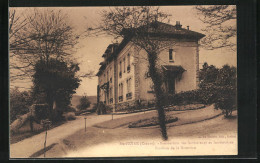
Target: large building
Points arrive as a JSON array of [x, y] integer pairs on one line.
[[123, 77]]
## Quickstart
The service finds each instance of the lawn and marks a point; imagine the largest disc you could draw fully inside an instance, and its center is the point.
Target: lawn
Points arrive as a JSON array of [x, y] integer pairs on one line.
[[184, 117]]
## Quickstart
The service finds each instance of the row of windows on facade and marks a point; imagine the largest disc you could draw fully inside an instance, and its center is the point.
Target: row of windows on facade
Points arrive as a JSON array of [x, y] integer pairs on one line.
[[109, 72], [121, 97], [172, 55], [124, 65]]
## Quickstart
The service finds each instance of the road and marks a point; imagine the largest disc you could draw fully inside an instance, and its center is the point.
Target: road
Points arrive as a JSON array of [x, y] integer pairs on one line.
[[27, 147]]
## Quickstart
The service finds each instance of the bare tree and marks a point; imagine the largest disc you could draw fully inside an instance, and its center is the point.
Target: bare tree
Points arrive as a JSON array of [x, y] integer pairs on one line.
[[141, 26], [39, 35], [221, 26]]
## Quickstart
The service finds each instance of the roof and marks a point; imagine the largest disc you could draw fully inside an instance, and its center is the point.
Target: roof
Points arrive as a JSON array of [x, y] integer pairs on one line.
[[114, 54], [162, 29], [173, 68]]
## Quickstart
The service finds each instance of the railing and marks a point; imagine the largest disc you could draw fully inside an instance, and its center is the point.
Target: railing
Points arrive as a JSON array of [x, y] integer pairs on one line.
[[120, 98], [129, 95], [128, 68]]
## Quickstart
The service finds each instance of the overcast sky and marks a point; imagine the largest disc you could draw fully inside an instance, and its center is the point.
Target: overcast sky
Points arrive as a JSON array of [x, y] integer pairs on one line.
[[91, 49]]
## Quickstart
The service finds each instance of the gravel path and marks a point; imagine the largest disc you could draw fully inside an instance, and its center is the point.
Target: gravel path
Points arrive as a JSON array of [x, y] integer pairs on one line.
[[27, 147]]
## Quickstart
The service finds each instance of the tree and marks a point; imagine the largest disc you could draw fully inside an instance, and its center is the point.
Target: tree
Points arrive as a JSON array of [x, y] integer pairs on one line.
[[208, 74], [218, 87], [19, 103], [221, 26], [40, 34], [140, 26], [55, 82], [84, 103], [226, 90]]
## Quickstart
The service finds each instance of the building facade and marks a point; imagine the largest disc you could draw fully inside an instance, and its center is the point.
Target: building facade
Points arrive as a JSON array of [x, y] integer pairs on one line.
[[123, 78]]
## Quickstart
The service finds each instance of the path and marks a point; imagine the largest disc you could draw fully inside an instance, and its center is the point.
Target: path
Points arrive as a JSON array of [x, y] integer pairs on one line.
[[27, 147]]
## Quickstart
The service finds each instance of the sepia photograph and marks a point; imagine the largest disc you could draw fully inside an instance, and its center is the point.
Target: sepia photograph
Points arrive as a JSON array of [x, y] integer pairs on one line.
[[123, 81]]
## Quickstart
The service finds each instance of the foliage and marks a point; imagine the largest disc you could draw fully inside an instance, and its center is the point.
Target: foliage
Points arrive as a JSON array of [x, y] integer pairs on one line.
[[222, 92], [84, 103], [103, 109], [70, 116], [19, 103], [183, 98], [41, 34], [94, 108], [208, 74], [151, 122], [41, 111], [55, 81], [221, 26]]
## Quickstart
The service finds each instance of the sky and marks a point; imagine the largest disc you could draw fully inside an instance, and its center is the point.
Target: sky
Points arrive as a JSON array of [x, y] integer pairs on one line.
[[90, 49]]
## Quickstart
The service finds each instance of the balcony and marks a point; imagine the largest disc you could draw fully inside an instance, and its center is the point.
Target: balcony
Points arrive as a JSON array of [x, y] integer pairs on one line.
[[129, 95], [120, 98], [120, 74], [128, 68]]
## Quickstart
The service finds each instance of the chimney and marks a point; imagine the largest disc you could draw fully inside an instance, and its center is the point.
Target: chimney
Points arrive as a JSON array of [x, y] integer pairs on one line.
[[188, 27], [178, 24]]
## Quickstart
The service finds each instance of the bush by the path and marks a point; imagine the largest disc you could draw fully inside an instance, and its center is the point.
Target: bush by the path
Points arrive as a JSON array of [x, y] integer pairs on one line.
[[151, 122], [185, 107]]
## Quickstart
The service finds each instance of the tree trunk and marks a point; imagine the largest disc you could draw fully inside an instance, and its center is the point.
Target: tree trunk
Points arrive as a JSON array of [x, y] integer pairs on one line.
[[157, 81]]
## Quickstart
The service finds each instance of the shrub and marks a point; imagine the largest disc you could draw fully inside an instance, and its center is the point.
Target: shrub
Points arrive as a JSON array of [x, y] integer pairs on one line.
[[70, 116], [93, 109], [184, 98], [41, 111], [84, 103], [151, 122], [222, 90], [69, 109], [103, 109], [57, 115], [19, 103]]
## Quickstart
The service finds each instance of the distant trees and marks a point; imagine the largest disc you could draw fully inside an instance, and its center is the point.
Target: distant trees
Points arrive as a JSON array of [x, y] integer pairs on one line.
[[19, 103], [219, 86], [54, 83], [84, 103], [221, 27]]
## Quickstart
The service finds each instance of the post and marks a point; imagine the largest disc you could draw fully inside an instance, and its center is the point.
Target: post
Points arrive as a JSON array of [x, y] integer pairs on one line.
[[85, 124], [45, 141], [46, 124]]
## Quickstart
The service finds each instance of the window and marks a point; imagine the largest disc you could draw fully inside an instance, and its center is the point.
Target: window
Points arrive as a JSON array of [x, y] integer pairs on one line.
[[128, 81], [107, 74], [171, 55], [128, 62], [120, 69], [129, 93], [120, 97], [111, 95], [124, 64]]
